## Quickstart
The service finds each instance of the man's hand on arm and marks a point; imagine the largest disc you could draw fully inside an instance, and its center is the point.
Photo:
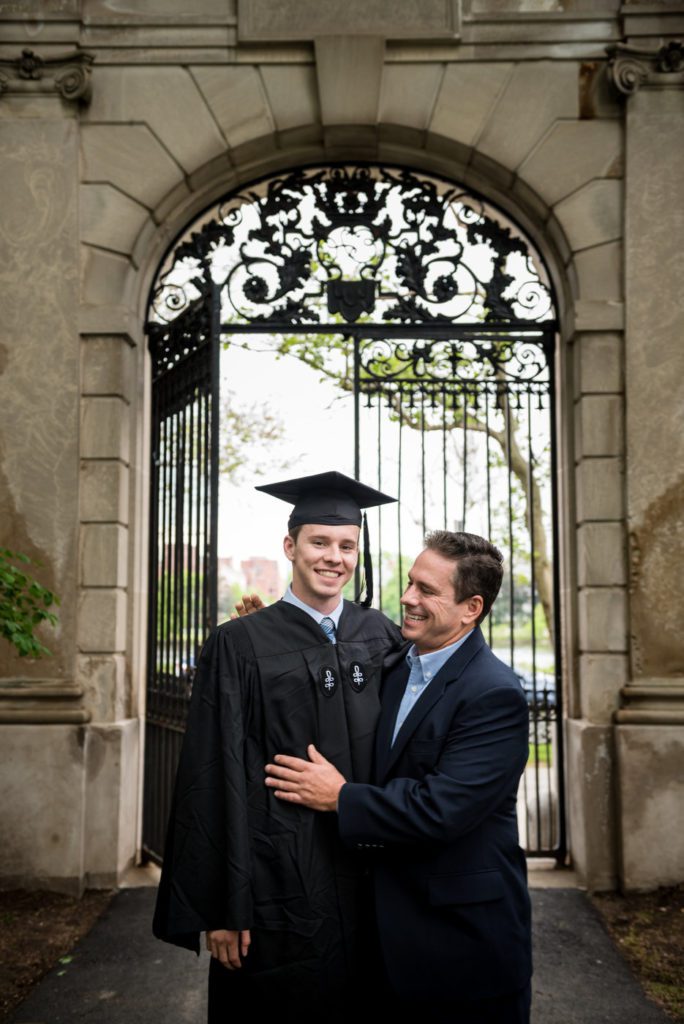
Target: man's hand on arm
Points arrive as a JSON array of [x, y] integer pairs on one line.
[[315, 783], [228, 946], [249, 604]]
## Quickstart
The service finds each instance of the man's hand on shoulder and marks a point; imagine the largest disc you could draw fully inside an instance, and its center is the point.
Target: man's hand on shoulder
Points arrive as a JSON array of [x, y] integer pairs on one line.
[[249, 604], [228, 946], [315, 783]]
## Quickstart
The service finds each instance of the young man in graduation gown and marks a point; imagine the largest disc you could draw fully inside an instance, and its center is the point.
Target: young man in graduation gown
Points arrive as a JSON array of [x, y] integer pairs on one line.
[[281, 901], [439, 820]]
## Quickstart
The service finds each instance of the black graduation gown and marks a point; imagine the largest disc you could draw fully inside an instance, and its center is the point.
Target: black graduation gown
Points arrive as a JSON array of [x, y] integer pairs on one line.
[[236, 857]]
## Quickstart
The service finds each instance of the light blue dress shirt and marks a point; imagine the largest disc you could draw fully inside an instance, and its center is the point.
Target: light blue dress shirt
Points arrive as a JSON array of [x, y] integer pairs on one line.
[[291, 598], [424, 668]]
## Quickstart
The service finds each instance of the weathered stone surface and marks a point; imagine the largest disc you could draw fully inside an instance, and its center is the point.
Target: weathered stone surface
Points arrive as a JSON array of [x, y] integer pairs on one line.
[[599, 316], [657, 556], [571, 154], [601, 555], [600, 272], [110, 219], [651, 782], [39, 364], [599, 363], [102, 621], [655, 377], [104, 553], [118, 153], [593, 214], [591, 806], [105, 429], [43, 803], [261, 20], [236, 98], [168, 101], [106, 693], [111, 801], [603, 620], [536, 94], [598, 420], [466, 97], [349, 72], [601, 677], [292, 93], [408, 94], [600, 489], [107, 365]]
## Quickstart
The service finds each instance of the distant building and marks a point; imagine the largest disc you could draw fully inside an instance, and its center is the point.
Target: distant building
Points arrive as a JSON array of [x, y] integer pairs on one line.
[[262, 575]]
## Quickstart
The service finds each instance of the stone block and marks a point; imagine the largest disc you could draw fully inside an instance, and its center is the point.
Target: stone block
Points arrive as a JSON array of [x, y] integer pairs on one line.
[[104, 492], [598, 362], [292, 94], [43, 802], [601, 677], [119, 153], [105, 429], [105, 688], [168, 100], [465, 100], [600, 489], [559, 240], [593, 214], [111, 801], [535, 95], [349, 71], [102, 621], [603, 620], [600, 272], [601, 555], [598, 419], [104, 277], [236, 98], [651, 786], [104, 554], [110, 219], [571, 154], [408, 94], [151, 12], [599, 316], [107, 365], [591, 804]]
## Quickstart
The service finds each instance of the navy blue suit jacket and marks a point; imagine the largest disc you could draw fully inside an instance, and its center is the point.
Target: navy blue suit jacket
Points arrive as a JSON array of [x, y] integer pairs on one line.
[[452, 906]]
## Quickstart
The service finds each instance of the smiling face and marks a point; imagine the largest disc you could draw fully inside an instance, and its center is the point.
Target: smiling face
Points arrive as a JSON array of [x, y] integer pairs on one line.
[[323, 561], [433, 618]]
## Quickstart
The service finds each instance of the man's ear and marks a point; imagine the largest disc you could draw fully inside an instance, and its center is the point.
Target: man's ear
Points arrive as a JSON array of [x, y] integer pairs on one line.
[[289, 547], [473, 610]]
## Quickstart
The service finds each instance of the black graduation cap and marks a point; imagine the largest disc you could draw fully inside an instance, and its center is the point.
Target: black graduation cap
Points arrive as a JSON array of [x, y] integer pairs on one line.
[[331, 499]]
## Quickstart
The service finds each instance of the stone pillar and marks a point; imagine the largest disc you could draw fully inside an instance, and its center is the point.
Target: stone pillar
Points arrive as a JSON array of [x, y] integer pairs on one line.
[[43, 735], [649, 731], [68, 739]]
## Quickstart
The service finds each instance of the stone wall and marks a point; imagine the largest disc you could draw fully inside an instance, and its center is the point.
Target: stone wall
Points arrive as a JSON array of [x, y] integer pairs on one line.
[[101, 170]]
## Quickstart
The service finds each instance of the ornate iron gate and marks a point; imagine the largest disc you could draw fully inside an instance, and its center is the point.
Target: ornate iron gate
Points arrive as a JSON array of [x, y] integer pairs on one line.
[[444, 329]]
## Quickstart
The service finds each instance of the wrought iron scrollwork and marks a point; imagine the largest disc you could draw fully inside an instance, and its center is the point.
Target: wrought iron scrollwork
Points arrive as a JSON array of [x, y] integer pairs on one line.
[[346, 243]]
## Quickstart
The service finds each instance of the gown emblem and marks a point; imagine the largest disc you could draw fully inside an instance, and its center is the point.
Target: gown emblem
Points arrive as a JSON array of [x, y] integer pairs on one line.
[[357, 676], [327, 681]]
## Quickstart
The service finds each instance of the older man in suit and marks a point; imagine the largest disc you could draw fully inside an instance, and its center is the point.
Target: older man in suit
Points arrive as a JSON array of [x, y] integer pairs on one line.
[[453, 912]]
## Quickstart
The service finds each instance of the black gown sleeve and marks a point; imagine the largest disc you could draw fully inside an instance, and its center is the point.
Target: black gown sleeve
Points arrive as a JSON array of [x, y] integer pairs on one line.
[[205, 882]]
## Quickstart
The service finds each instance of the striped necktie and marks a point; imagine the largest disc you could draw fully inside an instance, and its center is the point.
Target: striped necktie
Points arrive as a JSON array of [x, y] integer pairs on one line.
[[328, 627]]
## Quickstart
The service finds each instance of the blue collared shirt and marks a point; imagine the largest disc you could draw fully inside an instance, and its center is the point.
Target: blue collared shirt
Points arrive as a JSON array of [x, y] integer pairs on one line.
[[313, 612], [424, 668]]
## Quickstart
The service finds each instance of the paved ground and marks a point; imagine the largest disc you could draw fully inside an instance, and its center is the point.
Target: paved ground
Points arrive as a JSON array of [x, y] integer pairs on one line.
[[121, 975]]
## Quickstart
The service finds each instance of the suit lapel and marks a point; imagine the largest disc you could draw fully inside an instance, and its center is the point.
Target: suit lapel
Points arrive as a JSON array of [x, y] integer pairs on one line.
[[386, 755], [393, 688]]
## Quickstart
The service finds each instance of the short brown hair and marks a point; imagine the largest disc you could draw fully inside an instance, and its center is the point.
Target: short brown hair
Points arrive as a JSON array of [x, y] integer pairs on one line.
[[479, 565]]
